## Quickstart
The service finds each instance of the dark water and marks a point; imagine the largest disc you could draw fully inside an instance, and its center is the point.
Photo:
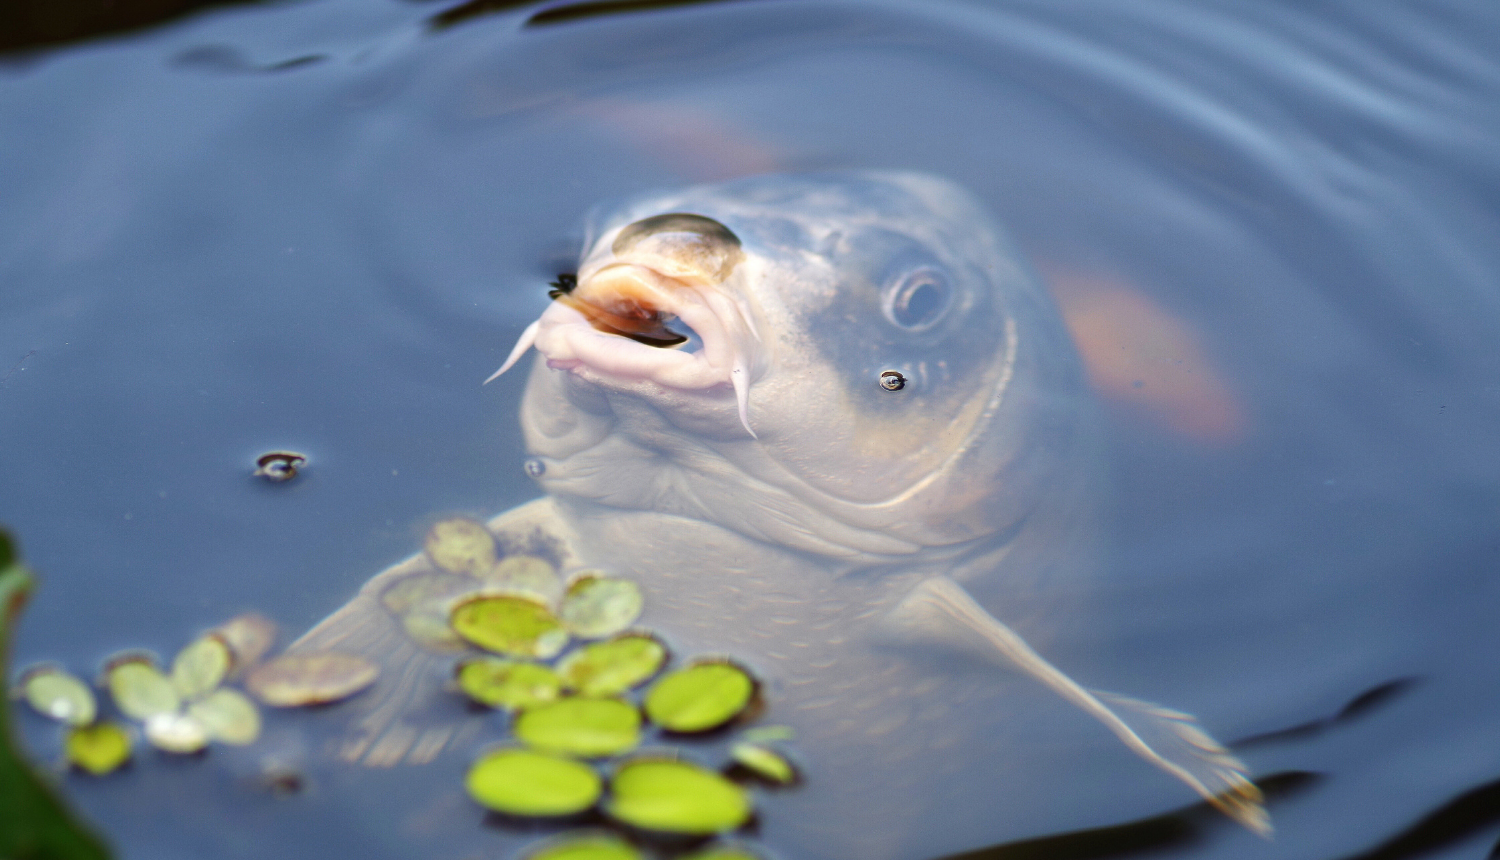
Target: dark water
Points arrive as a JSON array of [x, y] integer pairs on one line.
[[319, 226]]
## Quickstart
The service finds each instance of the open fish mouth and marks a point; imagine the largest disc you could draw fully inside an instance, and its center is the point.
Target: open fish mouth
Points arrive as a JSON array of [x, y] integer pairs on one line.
[[624, 318]]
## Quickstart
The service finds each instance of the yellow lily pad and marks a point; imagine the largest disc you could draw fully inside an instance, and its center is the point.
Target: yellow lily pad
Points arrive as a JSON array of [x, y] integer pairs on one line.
[[526, 574], [589, 728], [674, 796], [508, 684], [320, 677], [228, 716], [176, 733], [700, 697], [99, 748], [523, 782], [510, 624], [599, 606], [201, 666], [139, 689], [611, 667], [461, 545], [54, 692], [585, 846], [764, 762]]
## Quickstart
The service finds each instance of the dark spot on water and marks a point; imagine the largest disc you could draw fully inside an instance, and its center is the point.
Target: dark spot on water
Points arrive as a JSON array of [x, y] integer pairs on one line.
[[1357, 707], [223, 59], [566, 282], [535, 468], [1458, 819], [472, 9]]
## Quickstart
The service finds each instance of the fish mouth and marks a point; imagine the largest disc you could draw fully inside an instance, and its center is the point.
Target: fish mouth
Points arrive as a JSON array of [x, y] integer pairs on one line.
[[617, 325]]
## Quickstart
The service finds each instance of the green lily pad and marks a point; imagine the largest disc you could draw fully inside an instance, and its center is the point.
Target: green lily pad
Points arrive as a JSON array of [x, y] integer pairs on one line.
[[461, 546], [676, 797], [764, 762], [320, 677], [176, 733], [522, 782], [526, 574], [201, 666], [228, 716], [700, 697], [139, 689], [56, 693], [761, 734], [507, 683], [724, 852], [599, 606], [589, 846], [610, 668], [510, 624], [98, 749], [590, 728]]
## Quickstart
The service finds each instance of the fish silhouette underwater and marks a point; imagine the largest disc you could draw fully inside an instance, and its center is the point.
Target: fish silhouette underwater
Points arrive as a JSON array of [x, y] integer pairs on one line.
[[828, 422]]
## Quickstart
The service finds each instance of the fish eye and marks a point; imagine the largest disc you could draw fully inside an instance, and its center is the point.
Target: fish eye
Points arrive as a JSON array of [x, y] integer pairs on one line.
[[919, 299]]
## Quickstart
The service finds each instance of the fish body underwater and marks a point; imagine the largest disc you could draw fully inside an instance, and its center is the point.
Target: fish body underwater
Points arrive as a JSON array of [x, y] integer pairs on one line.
[[832, 426]]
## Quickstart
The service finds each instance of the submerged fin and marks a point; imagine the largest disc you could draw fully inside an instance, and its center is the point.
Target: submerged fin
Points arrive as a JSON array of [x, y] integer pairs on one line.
[[940, 609], [409, 715]]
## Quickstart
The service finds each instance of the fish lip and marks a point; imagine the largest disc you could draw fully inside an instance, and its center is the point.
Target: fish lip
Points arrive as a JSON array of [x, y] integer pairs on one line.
[[569, 340]]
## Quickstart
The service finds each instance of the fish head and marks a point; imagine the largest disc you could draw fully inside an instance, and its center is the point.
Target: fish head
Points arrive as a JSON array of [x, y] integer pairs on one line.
[[857, 365]]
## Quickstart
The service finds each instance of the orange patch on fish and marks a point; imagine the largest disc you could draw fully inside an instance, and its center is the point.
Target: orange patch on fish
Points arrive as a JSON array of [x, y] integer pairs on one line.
[[1141, 355]]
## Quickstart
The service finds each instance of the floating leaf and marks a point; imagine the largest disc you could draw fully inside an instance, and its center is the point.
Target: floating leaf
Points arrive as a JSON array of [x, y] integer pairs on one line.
[[522, 782], [510, 624], [293, 680], [249, 637], [590, 846], [676, 797], [764, 762], [700, 697], [527, 574], [228, 716], [201, 666], [724, 852], [176, 733], [139, 689], [56, 693], [99, 748], [590, 728], [508, 684], [612, 667], [461, 546], [599, 606]]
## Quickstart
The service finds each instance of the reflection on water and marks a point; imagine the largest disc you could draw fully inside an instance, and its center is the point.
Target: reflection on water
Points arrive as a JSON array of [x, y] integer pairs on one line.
[[200, 263]]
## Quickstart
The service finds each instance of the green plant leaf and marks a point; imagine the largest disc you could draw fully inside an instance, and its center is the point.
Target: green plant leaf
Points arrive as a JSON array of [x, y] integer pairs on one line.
[[461, 545], [228, 716], [599, 606], [523, 782], [676, 797], [764, 762], [585, 846], [700, 697], [54, 692], [139, 689], [98, 749], [201, 666], [512, 624], [508, 684], [610, 668], [35, 824], [589, 728]]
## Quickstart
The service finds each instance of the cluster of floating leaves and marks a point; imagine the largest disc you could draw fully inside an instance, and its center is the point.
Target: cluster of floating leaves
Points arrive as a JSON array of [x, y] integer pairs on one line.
[[181, 710], [579, 716]]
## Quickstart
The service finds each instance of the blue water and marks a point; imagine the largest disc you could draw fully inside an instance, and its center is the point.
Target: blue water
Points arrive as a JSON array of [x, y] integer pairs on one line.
[[319, 226]]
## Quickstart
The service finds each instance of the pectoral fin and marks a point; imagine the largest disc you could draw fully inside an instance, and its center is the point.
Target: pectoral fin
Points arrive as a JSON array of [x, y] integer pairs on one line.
[[940, 610], [409, 715]]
